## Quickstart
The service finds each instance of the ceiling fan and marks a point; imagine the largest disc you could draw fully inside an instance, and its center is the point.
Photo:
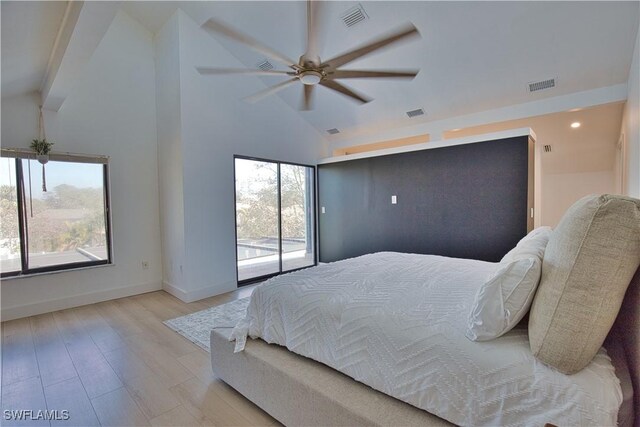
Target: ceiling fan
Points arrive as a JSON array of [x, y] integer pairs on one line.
[[310, 70]]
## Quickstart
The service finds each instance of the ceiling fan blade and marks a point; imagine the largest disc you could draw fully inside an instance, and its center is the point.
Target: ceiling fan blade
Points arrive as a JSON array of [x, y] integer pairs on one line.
[[332, 84], [215, 27], [407, 31], [270, 90], [356, 74], [248, 71], [307, 100], [314, 10]]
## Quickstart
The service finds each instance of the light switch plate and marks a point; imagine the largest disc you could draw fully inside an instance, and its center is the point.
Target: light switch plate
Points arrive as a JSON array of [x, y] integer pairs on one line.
[[322, 209], [394, 200]]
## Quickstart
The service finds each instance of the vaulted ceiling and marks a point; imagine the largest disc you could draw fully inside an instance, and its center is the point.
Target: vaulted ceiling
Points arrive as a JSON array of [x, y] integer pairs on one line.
[[29, 30], [473, 56]]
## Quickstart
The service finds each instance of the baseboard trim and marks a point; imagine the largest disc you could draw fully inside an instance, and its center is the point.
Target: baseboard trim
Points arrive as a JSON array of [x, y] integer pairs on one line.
[[17, 312], [197, 294], [175, 291]]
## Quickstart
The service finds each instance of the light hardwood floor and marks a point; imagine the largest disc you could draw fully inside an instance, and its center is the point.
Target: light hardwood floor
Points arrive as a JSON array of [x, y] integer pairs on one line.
[[115, 364]]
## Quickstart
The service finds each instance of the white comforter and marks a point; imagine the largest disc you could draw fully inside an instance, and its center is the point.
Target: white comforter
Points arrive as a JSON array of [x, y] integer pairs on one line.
[[396, 322]]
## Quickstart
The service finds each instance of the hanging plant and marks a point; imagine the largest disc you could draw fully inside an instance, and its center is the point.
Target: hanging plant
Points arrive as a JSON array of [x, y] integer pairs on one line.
[[42, 147]]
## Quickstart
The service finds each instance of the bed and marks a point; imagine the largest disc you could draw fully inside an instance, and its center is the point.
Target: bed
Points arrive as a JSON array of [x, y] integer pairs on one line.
[[395, 323], [397, 326]]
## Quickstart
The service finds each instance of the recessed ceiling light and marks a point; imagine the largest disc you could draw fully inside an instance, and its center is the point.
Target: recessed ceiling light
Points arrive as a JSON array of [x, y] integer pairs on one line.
[[575, 125], [455, 130]]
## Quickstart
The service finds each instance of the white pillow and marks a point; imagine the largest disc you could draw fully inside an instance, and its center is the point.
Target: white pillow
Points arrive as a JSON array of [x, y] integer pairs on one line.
[[530, 246], [504, 299]]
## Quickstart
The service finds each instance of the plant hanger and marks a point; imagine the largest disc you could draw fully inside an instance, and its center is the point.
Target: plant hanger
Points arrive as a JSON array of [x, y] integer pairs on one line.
[[42, 148]]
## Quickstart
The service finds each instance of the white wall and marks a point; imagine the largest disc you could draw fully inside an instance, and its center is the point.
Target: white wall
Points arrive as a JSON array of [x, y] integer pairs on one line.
[[619, 167], [216, 124], [563, 190], [110, 111], [170, 159], [631, 126]]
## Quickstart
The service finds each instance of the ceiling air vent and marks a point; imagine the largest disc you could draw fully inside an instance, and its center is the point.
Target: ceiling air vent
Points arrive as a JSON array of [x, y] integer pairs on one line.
[[415, 113], [541, 85], [354, 16], [332, 131], [547, 148], [265, 65]]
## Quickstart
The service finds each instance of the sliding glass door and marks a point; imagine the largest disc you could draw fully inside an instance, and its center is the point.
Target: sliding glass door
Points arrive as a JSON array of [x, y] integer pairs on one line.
[[257, 223], [275, 226], [296, 213]]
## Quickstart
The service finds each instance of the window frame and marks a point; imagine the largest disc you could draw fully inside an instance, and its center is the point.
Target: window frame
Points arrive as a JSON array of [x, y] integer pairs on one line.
[[314, 224], [23, 223]]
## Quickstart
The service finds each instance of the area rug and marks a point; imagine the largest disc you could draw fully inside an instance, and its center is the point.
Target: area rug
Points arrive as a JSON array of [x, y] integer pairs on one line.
[[196, 327]]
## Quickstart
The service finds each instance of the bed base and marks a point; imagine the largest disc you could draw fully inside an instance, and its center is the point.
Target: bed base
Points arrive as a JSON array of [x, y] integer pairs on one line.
[[301, 392]]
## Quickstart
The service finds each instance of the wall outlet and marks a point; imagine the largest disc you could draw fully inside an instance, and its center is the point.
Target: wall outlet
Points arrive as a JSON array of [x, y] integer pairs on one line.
[[394, 200], [145, 265]]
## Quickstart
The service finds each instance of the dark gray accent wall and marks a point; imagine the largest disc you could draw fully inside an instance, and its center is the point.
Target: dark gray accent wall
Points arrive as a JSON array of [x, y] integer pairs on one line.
[[467, 201]]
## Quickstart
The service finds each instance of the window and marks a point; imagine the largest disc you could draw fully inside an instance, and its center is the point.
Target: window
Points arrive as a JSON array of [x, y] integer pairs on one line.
[[275, 225], [9, 223], [61, 225]]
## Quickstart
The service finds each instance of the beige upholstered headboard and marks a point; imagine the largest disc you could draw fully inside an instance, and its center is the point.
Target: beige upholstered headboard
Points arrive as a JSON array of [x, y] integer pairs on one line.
[[627, 331]]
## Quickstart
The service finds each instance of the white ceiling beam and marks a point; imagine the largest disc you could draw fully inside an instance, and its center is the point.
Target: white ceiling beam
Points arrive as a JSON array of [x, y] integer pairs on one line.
[[83, 26], [585, 99]]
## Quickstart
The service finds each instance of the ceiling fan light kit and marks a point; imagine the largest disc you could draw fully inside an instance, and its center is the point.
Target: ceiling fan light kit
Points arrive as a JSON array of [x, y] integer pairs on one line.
[[310, 77], [310, 70]]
